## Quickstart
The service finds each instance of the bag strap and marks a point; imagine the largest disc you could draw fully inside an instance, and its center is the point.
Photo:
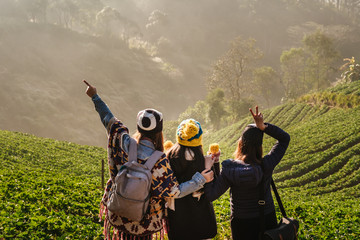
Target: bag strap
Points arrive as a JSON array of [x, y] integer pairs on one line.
[[132, 156], [151, 161], [261, 203], [262, 198], [278, 199]]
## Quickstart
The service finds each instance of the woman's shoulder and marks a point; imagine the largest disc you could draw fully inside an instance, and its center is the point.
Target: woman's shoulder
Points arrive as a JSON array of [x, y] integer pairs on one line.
[[239, 172], [231, 163], [117, 126], [238, 166]]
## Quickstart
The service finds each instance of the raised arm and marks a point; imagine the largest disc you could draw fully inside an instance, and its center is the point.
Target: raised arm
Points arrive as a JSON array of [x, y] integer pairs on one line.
[[278, 150], [106, 117]]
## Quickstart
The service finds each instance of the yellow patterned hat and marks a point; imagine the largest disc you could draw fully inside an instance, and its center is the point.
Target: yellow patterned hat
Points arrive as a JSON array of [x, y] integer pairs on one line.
[[189, 133]]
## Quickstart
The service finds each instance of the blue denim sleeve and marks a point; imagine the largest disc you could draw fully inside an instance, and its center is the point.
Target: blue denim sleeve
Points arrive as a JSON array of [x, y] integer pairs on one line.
[[103, 110], [196, 183]]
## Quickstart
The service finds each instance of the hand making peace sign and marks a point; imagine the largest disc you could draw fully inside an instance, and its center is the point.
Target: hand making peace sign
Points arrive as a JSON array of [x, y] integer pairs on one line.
[[258, 118]]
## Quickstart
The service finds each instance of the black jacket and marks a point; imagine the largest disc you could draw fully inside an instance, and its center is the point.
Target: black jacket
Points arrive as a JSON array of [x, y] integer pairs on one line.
[[243, 179], [193, 218]]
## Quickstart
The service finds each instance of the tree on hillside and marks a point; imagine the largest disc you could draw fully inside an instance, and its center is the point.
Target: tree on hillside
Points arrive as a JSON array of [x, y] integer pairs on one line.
[[215, 99], [157, 24], [169, 129], [237, 108], [293, 72], [86, 18], [66, 12], [110, 22], [351, 70], [199, 112], [322, 54], [351, 8], [35, 9], [267, 84], [106, 20], [232, 72]]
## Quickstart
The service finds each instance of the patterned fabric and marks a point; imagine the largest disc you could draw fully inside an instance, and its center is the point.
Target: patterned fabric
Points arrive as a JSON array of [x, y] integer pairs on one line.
[[163, 186]]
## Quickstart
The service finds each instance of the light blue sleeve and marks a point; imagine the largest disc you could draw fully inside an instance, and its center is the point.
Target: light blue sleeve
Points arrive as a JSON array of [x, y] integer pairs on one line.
[[196, 183], [104, 112], [125, 142]]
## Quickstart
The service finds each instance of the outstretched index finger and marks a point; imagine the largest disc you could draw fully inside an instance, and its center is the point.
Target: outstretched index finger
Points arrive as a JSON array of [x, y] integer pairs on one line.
[[87, 83]]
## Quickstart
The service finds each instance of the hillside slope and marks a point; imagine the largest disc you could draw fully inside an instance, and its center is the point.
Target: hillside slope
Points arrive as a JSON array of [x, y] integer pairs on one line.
[[325, 139], [51, 189]]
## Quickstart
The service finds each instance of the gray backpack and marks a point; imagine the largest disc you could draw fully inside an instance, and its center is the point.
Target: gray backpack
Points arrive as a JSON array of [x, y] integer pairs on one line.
[[130, 193]]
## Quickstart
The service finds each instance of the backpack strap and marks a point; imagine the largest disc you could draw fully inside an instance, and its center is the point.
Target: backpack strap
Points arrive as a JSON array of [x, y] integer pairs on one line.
[[150, 162], [132, 155]]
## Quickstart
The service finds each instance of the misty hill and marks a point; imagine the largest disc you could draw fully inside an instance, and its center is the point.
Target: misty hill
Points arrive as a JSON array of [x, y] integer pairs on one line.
[[41, 72], [52, 187]]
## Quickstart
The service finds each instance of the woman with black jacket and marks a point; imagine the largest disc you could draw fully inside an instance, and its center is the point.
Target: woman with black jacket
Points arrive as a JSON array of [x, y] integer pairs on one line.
[[243, 176]]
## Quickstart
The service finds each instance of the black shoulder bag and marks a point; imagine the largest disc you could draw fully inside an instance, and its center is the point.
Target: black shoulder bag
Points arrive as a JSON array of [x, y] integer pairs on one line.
[[287, 228]]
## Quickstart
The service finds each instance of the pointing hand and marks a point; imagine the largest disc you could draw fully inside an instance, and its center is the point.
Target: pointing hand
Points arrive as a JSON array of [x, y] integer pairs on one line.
[[90, 90]]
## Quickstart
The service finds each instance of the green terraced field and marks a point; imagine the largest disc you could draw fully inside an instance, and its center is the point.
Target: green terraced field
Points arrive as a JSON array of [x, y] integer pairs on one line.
[[51, 189], [320, 174]]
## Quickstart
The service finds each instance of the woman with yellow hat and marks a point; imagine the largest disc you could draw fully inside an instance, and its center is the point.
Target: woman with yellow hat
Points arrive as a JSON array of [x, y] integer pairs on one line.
[[193, 217]]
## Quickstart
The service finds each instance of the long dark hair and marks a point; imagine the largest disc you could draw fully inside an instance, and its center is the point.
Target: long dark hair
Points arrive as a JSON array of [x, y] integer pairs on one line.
[[249, 153], [176, 155], [156, 138]]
